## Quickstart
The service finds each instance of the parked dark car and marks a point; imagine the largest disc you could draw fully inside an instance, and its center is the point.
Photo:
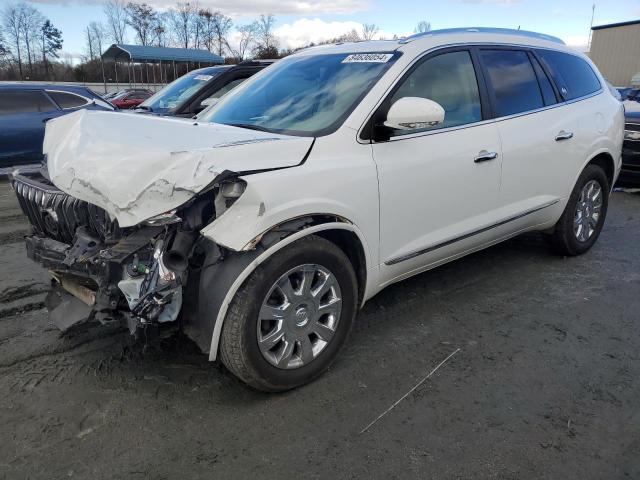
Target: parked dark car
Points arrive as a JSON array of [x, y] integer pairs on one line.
[[24, 110], [629, 93], [130, 99], [191, 93], [110, 95], [630, 173]]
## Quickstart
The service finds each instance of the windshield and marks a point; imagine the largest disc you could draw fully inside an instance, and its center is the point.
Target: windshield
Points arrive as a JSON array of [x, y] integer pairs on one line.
[[174, 94], [307, 95]]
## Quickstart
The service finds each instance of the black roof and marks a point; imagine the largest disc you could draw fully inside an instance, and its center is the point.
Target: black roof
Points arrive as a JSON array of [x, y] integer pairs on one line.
[[613, 25]]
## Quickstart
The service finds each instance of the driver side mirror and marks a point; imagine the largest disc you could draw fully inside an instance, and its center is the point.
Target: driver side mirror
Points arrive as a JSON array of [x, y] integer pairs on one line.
[[414, 113]]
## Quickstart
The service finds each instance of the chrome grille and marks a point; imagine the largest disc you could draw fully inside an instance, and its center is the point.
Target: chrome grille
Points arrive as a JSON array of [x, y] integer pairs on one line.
[[54, 214]]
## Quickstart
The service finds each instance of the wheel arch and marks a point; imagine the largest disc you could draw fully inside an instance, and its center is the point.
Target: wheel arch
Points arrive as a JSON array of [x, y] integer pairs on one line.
[[604, 160], [344, 234]]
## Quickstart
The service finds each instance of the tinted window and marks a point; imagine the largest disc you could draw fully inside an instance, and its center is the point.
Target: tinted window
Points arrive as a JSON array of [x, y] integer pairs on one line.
[[222, 90], [548, 94], [67, 100], [573, 76], [450, 80], [513, 80], [24, 101]]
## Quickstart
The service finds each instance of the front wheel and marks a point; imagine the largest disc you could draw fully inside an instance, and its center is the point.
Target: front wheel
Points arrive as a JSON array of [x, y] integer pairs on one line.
[[288, 321], [585, 213]]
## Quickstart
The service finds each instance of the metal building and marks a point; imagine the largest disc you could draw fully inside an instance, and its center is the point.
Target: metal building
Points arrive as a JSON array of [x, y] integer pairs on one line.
[[615, 49]]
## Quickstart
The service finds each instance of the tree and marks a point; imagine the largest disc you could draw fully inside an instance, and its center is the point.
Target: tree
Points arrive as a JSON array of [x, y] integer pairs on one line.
[[160, 32], [98, 33], [422, 27], [369, 30], [214, 30], [116, 13], [11, 19], [142, 18], [31, 20], [222, 27], [245, 38], [265, 41], [51, 43], [184, 25]]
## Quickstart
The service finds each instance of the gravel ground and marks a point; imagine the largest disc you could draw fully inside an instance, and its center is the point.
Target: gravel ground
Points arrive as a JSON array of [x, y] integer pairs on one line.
[[546, 383]]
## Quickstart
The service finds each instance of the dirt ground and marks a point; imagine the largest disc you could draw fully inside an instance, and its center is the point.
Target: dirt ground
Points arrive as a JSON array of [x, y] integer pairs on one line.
[[546, 383]]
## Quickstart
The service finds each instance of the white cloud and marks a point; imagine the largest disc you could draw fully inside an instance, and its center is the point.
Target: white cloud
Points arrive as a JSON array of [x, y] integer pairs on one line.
[[579, 42], [307, 30], [252, 7]]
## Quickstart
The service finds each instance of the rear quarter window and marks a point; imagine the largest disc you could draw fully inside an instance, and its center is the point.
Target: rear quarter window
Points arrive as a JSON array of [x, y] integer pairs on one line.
[[24, 101], [67, 100], [573, 76]]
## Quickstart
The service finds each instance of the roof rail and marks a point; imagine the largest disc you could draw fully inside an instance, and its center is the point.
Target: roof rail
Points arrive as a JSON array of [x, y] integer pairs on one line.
[[503, 31]]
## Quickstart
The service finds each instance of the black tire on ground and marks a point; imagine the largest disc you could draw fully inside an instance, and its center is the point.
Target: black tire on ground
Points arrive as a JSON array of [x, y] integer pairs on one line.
[[239, 350], [564, 239]]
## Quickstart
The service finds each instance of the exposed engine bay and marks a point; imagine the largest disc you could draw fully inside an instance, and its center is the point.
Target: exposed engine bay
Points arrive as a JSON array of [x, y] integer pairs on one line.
[[100, 271]]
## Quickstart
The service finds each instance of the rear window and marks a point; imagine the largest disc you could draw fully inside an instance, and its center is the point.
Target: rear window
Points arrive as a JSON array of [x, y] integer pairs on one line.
[[67, 100], [24, 101], [574, 77], [513, 80]]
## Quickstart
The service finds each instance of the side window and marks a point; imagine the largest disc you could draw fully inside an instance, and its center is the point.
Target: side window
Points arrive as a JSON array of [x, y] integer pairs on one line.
[[548, 94], [24, 101], [221, 91], [513, 81], [450, 80], [67, 100], [574, 77]]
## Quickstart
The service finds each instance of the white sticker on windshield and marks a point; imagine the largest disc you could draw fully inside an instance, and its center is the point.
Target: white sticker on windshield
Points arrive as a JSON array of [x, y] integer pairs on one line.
[[368, 58], [205, 78]]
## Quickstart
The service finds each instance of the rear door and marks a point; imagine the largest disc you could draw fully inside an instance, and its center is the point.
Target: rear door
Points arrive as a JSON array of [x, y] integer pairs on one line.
[[23, 114], [536, 134]]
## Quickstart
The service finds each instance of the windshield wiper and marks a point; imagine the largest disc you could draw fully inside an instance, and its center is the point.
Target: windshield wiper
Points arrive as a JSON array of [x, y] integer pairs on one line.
[[144, 107], [250, 126]]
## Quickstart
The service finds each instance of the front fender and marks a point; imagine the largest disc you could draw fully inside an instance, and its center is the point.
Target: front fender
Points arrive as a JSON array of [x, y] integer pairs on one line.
[[251, 260]]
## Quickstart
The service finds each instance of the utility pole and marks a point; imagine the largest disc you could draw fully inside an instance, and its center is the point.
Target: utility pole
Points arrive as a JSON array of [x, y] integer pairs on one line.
[[593, 12]]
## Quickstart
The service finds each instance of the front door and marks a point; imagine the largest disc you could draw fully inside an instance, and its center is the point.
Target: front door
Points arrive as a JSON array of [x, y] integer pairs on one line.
[[439, 186]]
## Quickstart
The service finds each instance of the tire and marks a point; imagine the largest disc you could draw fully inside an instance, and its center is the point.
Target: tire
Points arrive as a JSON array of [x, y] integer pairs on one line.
[[565, 239], [241, 350]]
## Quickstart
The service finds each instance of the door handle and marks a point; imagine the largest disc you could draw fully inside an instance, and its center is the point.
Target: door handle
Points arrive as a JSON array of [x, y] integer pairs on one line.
[[485, 156], [562, 135]]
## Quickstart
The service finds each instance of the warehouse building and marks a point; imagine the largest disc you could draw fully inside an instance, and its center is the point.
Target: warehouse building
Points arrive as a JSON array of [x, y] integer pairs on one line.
[[615, 49]]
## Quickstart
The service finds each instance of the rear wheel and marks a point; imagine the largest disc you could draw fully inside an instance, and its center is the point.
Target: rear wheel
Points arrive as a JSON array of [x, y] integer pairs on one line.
[[287, 323], [585, 213]]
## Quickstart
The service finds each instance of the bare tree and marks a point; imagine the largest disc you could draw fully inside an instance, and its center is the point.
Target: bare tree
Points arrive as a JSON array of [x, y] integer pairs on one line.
[[422, 27], [96, 36], [183, 24], [369, 30], [141, 17], [246, 38], [160, 31], [116, 13], [266, 44], [222, 26], [12, 22], [88, 38], [32, 21]]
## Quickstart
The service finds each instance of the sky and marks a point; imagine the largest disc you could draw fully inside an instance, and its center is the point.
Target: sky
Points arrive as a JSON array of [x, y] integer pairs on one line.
[[300, 21]]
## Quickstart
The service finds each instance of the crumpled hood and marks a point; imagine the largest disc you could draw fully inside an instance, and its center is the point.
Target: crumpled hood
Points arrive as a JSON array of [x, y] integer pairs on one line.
[[138, 166]]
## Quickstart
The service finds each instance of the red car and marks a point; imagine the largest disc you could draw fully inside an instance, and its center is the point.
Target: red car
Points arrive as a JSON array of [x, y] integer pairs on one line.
[[130, 99]]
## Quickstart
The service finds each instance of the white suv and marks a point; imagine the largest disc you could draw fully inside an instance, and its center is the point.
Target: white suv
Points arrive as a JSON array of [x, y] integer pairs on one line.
[[263, 227]]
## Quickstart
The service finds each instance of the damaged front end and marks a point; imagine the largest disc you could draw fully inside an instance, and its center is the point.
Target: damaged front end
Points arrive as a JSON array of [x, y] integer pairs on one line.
[[103, 272]]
